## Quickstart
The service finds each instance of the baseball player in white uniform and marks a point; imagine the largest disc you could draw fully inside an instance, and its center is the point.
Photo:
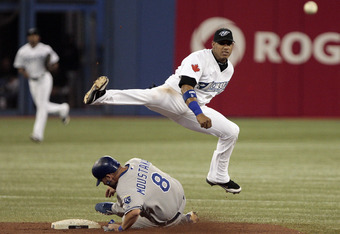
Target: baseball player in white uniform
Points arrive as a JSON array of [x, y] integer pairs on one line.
[[183, 98], [146, 196], [34, 60]]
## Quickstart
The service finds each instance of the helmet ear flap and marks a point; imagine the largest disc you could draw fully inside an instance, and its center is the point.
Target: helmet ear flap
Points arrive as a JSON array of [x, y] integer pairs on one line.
[[103, 166]]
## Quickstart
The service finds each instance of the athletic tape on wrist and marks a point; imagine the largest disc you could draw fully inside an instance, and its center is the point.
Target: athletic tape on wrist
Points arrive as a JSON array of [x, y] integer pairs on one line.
[[195, 108], [120, 229], [189, 94]]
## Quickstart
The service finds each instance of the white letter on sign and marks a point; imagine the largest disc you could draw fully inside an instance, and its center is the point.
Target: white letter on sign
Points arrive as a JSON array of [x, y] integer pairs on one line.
[[266, 44], [333, 51], [287, 47]]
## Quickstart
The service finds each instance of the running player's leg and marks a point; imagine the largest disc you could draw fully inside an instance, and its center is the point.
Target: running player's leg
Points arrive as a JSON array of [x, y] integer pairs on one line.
[[38, 92], [46, 88], [60, 109]]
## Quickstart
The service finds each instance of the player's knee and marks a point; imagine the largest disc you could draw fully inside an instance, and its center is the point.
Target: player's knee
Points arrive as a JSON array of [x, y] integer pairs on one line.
[[237, 130], [230, 132], [234, 132]]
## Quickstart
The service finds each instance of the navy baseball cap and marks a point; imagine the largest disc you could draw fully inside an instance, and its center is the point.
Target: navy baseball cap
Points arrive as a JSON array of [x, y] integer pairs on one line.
[[223, 34], [33, 31]]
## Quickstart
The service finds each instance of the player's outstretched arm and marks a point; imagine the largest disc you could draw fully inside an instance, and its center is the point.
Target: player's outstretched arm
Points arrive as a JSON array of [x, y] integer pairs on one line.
[[190, 98], [129, 220]]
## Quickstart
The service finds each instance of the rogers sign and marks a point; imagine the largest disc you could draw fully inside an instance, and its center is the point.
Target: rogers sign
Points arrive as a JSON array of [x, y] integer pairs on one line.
[[269, 46]]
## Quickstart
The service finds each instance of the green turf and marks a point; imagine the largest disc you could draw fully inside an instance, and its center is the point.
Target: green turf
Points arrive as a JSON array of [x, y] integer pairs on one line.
[[288, 169]]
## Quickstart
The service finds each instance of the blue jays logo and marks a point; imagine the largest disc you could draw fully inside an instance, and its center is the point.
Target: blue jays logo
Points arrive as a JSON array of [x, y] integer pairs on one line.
[[127, 199], [213, 86], [224, 33]]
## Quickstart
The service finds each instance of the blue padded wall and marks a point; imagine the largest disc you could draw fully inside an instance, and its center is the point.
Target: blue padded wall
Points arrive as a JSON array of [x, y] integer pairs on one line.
[[139, 46]]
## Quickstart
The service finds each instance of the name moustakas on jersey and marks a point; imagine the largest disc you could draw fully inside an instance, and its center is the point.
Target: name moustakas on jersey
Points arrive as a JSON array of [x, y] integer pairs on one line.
[[142, 175]]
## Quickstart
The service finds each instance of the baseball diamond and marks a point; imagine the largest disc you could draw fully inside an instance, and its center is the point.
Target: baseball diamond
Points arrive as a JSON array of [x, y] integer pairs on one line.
[[54, 179]]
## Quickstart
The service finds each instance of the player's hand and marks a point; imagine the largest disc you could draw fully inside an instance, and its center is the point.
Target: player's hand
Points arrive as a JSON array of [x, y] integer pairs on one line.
[[110, 192], [113, 226], [204, 121], [23, 72]]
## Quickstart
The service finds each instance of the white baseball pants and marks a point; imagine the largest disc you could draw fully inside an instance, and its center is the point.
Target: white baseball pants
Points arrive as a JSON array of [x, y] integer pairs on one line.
[[166, 101], [41, 90]]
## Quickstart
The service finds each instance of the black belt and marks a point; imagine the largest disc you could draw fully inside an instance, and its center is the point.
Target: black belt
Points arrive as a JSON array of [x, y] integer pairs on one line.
[[166, 222]]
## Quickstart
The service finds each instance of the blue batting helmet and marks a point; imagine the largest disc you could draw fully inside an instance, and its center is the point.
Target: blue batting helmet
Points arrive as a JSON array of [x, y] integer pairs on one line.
[[103, 166]]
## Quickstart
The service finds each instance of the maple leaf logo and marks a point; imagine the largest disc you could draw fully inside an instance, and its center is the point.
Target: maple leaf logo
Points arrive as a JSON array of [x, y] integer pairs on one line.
[[195, 67]]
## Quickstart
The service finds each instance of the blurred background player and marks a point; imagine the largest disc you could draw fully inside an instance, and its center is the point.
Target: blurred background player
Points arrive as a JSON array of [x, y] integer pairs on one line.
[[146, 196], [34, 61], [201, 76]]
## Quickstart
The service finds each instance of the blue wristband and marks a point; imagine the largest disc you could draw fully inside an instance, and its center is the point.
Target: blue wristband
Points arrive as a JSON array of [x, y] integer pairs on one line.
[[120, 229], [111, 221], [189, 94], [195, 108]]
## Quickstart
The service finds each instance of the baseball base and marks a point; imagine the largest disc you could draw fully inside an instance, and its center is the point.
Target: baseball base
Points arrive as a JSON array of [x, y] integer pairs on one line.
[[75, 224]]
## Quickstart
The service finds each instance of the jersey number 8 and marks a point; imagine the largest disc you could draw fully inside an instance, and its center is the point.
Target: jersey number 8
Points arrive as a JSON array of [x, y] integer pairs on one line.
[[161, 182]]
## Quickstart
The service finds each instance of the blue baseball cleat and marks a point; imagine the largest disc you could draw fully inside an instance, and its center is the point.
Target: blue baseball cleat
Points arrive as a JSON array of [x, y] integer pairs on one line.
[[105, 208]]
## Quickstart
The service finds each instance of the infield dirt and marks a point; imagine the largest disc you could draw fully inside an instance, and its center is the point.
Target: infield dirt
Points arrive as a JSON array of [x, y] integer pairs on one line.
[[201, 227]]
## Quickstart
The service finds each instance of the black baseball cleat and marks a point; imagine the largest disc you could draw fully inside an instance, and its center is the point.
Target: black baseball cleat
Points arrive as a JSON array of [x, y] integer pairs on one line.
[[230, 187], [64, 115], [97, 90], [66, 120], [35, 139]]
